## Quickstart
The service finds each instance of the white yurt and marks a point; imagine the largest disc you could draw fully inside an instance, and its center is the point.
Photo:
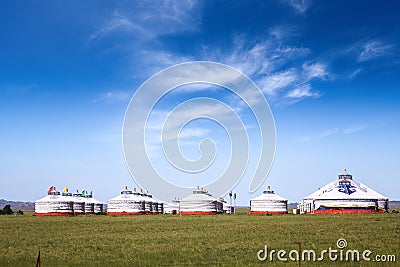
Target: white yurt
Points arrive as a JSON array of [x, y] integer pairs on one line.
[[92, 205], [160, 205], [148, 202], [268, 203], [172, 207], [200, 202], [79, 203], [89, 205], [126, 203], [152, 205], [226, 207], [344, 195], [54, 204]]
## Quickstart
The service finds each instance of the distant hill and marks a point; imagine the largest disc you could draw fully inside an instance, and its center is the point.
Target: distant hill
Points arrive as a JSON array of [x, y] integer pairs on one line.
[[17, 205], [394, 204]]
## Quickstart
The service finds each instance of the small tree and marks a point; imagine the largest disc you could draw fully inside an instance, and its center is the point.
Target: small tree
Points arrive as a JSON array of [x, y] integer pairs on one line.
[[7, 210]]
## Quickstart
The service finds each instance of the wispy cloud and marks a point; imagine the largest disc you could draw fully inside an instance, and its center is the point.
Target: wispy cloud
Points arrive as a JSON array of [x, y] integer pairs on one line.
[[283, 32], [271, 84], [22, 89], [112, 96], [331, 132], [266, 63], [301, 91], [114, 23], [149, 19], [264, 59], [300, 6], [355, 73], [374, 49], [354, 129], [193, 132], [320, 135], [315, 70]]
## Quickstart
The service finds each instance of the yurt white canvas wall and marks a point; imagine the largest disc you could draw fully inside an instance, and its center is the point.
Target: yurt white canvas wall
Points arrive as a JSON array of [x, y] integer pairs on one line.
[[79, 203], [54, 204], [226, 207], [172, 207], [97, 206], [92, 205], [126, 203], [268, 203], [344, 195], [160, 205], [153, 205], [200, 202]]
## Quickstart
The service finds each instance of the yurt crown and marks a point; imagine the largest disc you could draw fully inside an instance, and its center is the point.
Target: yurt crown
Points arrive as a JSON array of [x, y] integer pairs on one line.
[[52, 191], [126, 190], [345, 175], [269, 191], [65, 192]]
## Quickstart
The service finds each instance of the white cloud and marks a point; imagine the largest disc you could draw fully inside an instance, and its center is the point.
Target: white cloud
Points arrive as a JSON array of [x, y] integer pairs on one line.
[[315, 70], [148, 19], [374, 49], [354, 129], [113, 96], [300, 6], [320, 135], [330, 132], [355, 73], [302, 91], [193, 132], [271, 84], [281, 32], [116, 22]]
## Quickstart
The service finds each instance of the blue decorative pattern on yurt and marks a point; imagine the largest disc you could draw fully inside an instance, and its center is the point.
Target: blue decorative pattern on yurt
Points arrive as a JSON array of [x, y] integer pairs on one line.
[[346, 187]]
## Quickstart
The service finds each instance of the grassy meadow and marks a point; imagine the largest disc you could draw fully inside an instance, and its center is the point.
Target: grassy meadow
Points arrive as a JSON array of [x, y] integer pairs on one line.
[[165, 240]]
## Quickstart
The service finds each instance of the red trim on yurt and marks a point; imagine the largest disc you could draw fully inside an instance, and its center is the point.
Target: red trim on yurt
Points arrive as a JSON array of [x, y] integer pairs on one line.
[[268, 212]]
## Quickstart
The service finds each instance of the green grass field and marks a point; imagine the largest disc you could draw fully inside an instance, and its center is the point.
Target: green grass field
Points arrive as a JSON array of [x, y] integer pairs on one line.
[[164, 240]]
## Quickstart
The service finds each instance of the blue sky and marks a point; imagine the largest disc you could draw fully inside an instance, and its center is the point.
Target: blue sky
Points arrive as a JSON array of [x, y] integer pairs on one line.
[[329, 70]]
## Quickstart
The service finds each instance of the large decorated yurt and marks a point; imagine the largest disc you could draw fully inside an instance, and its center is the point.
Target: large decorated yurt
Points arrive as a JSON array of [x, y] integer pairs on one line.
[[268, 203], [127, 203], [200, 202], [344, 195], [54, 204]]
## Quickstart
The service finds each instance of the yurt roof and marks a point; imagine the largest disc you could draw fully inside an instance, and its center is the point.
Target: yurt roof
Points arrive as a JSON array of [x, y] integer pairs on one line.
[[92, 200], [57, 198], [199, 195], [345, 189], [269, 195], [129, 194]]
